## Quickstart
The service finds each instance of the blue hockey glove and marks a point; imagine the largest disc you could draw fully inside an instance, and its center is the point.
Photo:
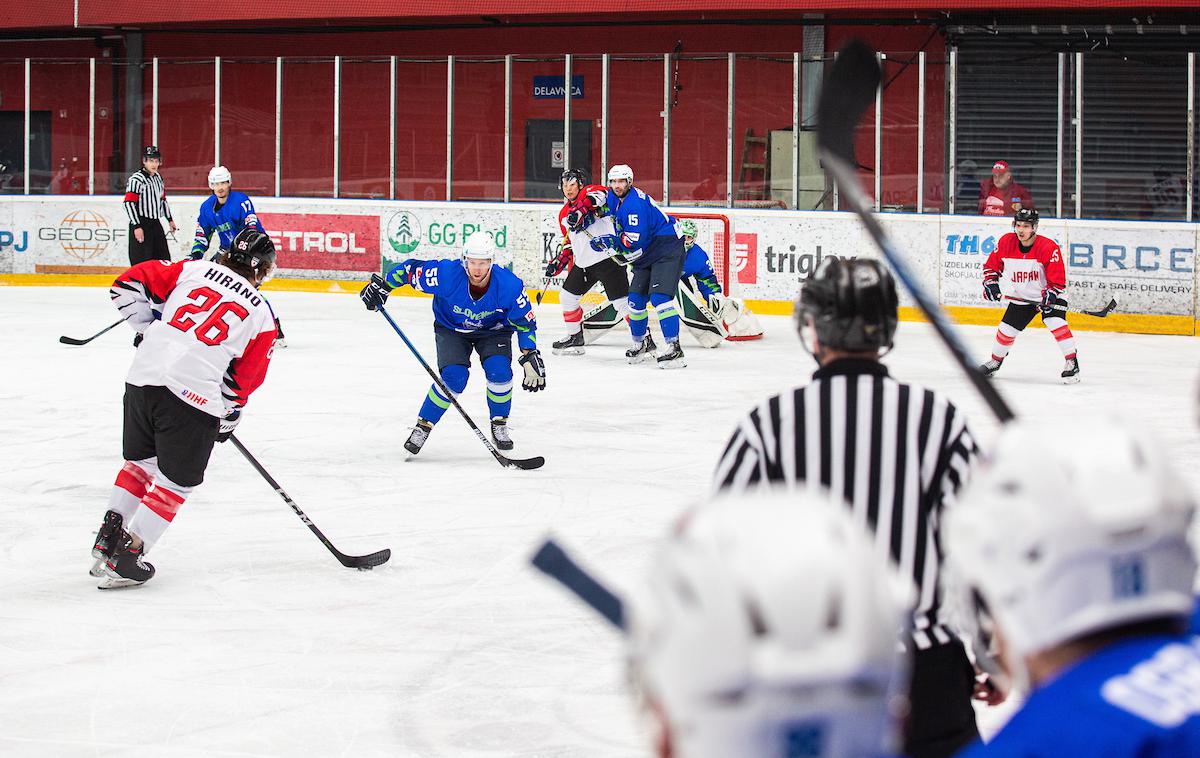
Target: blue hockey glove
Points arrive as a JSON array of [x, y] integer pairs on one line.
[[375, 294], [535, 371], [604, 243], [991, 290]]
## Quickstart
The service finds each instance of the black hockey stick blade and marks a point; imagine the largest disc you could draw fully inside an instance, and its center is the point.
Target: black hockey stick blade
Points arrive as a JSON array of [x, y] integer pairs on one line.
[[360, 562], [73, 341], [848, 90], [554, 562], [1103, 311], [525, 464]]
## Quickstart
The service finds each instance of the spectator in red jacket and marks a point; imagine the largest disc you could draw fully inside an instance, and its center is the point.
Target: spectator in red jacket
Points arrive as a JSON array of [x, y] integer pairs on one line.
[[1000, 195]]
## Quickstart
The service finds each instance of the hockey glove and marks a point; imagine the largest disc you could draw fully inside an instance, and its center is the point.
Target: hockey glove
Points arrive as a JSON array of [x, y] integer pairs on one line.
[[228, 424], [375, 294], [1053, 303], [605, 243], [559, 263], [579, 217], [991, 290], [535, 371], [196, 255]]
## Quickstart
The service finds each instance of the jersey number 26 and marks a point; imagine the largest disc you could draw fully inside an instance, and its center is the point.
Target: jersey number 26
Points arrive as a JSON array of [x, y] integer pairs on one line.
[[212, 330]]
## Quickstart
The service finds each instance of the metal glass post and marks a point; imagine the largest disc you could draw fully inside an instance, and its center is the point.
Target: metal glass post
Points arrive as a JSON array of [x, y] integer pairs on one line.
[[508, 93], [217, 111], [1078, 135], [879, 139], [567, 115], [921, 132], [278, 125], [1060, 136], [1191, 131], [449, 126], [666, 117], [392, 127], [154, 105], [604, 118], [337, 125], [28, 72], [730, 94], [91, 126], [952, 143], [796, 69]]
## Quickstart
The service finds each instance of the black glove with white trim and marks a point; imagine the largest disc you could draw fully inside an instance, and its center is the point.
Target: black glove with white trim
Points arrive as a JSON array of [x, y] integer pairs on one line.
[[535, 371]]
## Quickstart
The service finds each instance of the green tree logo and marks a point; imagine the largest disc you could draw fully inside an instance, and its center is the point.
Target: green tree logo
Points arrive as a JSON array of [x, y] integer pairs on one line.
[[404, 232]]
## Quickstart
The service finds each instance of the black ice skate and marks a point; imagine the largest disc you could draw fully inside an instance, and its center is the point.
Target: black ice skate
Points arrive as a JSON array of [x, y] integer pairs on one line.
[[500, 433], [643, 352], [1070, 373], [420, 433], [671, 356], [572, 345], [991, 366], [125, 568], [106, 541]]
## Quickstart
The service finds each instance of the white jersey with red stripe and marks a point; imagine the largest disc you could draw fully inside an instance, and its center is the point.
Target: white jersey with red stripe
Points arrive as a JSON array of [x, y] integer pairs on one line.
[[580, 241], [208, 332]]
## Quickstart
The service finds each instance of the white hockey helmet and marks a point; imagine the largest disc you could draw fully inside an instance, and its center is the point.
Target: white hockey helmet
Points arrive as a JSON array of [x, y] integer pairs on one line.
[[218, 174], [481, 245], [620, 171], [770, 620], [1066, 535]]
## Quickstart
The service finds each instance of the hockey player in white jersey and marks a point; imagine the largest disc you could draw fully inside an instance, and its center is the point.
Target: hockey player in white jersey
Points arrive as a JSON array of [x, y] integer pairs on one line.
[[583, 217], [1072, 565], [768, 629], [208, 340]]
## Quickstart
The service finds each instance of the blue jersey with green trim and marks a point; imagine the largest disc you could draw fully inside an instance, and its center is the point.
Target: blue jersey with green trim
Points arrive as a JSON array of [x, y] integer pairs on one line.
[[503, 307], [226, 220], [697, 264]]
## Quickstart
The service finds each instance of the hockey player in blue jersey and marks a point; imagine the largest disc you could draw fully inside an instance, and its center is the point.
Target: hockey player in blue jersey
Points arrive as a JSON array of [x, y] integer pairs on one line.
[[1071, 559], [224, 213], [650, 241], [477, 306], [697, 266]]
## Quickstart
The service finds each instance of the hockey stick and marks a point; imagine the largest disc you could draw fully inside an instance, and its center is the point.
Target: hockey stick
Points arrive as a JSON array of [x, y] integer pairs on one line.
[[526, 464], [1103, 311], [848, 90], [540, 295], [554, 562], [72, 341], [360, 562]]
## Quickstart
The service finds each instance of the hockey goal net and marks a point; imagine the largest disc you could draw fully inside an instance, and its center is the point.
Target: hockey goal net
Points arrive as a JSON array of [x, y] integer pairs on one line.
[[713, 234]]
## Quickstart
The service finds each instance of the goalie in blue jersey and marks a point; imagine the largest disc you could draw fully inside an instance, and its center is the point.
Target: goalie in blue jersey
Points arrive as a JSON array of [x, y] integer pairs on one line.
[[477, 306]]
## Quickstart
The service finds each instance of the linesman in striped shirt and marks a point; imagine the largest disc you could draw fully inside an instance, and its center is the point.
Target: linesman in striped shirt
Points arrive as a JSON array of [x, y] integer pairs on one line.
[[145, 204], [896, 454]]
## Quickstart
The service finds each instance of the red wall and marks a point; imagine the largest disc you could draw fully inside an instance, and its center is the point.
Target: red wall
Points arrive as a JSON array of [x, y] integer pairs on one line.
[[698, 173]]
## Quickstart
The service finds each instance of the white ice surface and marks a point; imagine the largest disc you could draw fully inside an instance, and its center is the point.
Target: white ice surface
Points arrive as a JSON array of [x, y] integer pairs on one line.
[[253, 641]]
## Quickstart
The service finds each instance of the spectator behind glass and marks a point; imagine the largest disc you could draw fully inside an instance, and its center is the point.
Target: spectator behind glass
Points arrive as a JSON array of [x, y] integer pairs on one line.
[[1000, 195]]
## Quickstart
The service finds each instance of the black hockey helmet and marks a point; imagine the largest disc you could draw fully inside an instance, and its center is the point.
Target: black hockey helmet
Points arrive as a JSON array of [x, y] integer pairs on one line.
[[253, 250], [1028, 215], [851, 304], [151, 151], [578, 174]]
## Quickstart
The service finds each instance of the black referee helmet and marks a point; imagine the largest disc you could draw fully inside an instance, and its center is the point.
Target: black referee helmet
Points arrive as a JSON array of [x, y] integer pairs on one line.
[[851, 304], [151, 151]]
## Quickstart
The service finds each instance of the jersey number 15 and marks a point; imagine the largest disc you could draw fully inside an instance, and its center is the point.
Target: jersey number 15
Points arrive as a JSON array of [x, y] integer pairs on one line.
[[212, 330]]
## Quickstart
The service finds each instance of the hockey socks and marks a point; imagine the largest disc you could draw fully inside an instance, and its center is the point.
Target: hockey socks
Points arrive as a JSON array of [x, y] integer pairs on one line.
[[1062, 335], [1006, 335], [157, 510], [436, 403], [668, 316], [134, 480], [498, 370]]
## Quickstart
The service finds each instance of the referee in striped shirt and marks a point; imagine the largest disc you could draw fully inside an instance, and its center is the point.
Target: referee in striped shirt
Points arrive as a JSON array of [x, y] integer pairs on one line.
[[145, 204], [897, 455]]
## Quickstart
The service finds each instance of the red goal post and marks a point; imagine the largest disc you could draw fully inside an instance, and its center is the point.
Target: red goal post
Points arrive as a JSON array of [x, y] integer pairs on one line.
[[714, 234]]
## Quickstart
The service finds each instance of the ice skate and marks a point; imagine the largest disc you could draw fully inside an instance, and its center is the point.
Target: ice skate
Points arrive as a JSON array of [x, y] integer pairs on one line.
[[420, 433], [106, 541], [991, 366], [125, 568], [1070, 372], [642, 352], [570, 345], [500, 433], [671, 356]]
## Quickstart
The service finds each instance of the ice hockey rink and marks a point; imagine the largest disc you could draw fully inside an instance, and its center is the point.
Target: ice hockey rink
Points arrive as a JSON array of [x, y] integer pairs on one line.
[[252, 640]]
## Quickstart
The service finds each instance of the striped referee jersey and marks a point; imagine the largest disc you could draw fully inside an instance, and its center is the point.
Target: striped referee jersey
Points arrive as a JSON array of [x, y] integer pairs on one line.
[[146, 197], [897, 455]]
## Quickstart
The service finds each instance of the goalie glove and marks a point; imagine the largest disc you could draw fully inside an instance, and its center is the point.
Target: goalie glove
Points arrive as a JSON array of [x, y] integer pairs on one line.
[[535, 371], [1053, 302]]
